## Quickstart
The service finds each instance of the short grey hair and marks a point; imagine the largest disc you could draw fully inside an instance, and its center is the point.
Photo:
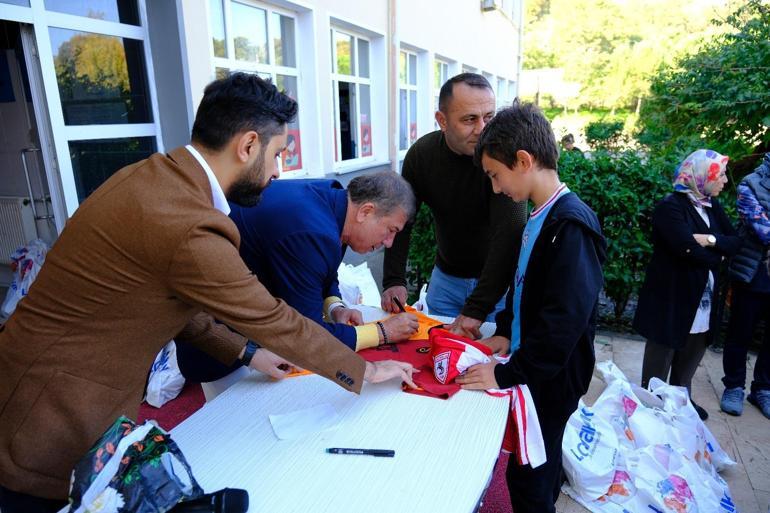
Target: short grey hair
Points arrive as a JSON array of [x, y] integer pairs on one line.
[[387, 190]]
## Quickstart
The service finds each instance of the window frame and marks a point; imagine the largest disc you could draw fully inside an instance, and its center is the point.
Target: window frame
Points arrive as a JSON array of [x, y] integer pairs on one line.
[[265, 70], [444, 76], [409, 88], [349, 165], [43, 20]]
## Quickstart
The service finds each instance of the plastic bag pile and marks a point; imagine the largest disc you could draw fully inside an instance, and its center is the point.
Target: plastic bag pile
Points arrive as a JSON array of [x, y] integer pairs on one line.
[[643, 450], [26, 262]]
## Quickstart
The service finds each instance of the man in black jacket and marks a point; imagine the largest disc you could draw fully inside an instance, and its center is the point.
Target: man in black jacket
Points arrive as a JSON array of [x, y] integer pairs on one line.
[[474, 227], [550, 316]]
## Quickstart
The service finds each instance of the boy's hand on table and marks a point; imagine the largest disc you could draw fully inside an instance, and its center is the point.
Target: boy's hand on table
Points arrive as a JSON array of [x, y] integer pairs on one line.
[[466, 326], [478, 377]]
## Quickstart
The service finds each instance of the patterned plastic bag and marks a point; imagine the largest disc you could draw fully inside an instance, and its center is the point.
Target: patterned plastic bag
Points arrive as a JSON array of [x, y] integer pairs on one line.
[[131, 468]]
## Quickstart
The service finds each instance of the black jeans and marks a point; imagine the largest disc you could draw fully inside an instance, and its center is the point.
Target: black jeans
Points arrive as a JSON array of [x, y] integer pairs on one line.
[[15, 502], [746, 308]]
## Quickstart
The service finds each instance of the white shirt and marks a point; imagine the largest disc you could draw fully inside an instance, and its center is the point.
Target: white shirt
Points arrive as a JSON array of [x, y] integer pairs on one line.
[[217, 194], [703, 314]]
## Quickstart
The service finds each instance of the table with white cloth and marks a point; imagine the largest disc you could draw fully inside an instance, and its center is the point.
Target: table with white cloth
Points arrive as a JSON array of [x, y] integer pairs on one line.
[[445, 450]]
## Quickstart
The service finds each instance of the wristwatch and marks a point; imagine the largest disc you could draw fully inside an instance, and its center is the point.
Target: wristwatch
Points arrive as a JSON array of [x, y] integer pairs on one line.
[[248, 352], [711, 240]]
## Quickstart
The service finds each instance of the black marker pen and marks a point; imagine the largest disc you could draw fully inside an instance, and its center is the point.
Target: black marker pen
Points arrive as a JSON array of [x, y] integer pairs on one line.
[[386, 453]]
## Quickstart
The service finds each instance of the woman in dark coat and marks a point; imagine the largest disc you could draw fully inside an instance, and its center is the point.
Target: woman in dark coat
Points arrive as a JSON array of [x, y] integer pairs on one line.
[[691, 236]]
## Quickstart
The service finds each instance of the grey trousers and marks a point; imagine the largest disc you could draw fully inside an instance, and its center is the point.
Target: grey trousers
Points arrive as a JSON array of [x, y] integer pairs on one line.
[[682, 363]]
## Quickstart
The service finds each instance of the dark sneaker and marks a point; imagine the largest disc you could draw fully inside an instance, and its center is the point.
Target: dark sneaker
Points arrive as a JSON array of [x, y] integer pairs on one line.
[[703, 414], [732, 401], [761, 399]]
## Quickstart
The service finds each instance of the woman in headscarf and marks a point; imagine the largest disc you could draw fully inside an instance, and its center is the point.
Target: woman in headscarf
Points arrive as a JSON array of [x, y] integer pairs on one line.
[[691, 236]]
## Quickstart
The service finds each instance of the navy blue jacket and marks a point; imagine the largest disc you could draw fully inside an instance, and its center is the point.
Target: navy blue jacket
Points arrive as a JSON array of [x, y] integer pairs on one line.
[[558, 310], [678, 271], [291, 241]]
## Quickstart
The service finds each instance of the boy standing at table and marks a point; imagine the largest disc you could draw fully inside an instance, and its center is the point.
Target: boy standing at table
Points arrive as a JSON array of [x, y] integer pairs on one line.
[[550, 316]]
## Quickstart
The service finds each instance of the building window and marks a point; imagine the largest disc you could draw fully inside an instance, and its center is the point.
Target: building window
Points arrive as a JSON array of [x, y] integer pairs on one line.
[[469, 69], [261, 40], [407, 99], [511, 91], [120, 11], [102, 79], [108, 118], [351, 91], [491, 79], [440, 76], [502, 93]]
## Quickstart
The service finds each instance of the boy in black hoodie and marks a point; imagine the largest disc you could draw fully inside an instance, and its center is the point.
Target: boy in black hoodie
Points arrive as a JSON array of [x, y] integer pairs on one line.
[[550, 316]]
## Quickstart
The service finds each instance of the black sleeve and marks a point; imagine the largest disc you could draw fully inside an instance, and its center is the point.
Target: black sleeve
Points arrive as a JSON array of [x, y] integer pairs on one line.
[[394, 265], [570, 291], [670, 223], [504, 317], [499, 265], [728, 240]]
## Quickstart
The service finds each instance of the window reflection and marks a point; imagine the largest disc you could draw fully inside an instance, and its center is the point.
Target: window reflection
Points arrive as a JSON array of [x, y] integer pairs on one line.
[[121, 11], [94, 161], [282, 28], [102, 79], [249, 33], [218, 28]]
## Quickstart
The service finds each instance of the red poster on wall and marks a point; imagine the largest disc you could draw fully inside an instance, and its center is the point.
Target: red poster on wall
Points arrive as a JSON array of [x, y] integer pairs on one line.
[[366, 140], [291, 157]]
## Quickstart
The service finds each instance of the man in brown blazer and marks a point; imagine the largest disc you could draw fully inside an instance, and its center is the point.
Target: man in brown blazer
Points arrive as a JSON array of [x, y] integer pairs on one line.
[[149, 253]]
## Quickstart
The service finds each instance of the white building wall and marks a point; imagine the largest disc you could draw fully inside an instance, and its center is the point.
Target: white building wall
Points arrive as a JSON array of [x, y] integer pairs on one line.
[[456, 31]]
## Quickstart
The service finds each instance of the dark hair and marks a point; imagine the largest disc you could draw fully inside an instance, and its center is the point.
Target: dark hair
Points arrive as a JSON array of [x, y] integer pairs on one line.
[[471, 79], [567, 139], [238, 103], [522, 126], [386, 189]]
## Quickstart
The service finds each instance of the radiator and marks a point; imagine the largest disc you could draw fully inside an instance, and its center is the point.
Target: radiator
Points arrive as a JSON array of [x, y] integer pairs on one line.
[[17, 225]]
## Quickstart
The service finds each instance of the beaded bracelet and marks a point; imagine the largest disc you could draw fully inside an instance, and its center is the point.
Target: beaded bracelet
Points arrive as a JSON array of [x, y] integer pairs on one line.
[[382, 330]]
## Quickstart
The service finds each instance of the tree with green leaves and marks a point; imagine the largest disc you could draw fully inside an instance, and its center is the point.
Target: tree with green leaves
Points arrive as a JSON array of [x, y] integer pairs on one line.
[[719, 96]]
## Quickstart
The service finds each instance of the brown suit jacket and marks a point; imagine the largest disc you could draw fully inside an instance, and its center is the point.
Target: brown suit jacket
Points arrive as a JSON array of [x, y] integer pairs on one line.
[[142, 256]]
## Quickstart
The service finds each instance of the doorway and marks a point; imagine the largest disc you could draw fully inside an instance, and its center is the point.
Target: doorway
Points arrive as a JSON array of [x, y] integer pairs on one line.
[[26, 209]]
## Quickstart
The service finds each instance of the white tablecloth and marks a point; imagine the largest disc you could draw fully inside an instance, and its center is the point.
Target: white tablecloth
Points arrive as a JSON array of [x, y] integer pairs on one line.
[[445, 450]]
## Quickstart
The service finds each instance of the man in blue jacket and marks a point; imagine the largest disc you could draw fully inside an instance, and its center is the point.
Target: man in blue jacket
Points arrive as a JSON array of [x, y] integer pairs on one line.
[[549, 320], [294, 241]]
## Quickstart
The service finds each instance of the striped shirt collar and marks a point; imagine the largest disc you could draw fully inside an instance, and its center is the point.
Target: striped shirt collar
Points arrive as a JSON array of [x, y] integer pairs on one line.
[[550, 200]]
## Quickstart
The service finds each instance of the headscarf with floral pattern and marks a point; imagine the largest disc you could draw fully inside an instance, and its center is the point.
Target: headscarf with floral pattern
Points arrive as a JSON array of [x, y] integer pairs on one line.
[[697, 174]]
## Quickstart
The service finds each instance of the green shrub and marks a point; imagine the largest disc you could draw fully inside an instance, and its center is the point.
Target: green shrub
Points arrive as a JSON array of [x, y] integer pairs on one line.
[[605, 134], [622, 188], [422, 252]]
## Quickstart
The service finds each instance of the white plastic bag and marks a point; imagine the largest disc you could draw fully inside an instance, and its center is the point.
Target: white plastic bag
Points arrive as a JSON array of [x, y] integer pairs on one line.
[[26, 263], [357, 285], [166, 380], [667, 459], [421, 305], [589, 453]]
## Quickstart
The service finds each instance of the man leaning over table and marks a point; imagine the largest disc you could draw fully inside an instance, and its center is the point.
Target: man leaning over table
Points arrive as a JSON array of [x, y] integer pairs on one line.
[[150, 251], [294, 241], [474, 227]]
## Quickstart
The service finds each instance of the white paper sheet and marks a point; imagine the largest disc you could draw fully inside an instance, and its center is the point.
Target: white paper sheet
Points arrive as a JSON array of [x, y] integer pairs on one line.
[[296, 424]]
